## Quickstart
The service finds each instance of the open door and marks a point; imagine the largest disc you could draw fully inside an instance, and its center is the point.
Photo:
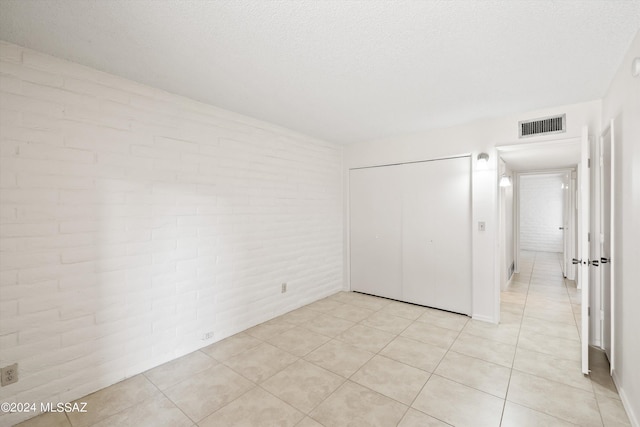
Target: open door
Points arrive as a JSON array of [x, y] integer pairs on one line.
[[583, 245], [607, 240], [567, 255]]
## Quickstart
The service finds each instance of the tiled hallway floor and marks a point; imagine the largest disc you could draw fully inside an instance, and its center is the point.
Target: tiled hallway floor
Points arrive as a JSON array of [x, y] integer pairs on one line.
[[352, 359]]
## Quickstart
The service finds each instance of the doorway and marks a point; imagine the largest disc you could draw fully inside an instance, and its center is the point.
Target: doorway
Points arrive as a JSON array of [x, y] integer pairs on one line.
[[562, 157], [556, 161], [546, 216]]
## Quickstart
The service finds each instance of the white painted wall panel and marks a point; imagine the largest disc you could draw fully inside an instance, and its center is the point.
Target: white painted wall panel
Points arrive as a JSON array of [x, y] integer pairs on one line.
[[541, 212], [622, 103], [133, 221]]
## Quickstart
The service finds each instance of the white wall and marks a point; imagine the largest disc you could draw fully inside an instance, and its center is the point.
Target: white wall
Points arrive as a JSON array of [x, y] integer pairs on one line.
[[506, 238], [476, 137], [134, 221], [541, 212], [622, 103], [509, 223]]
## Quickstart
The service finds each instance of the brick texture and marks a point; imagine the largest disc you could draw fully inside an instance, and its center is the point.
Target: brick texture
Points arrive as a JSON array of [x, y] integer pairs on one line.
[[134, 221], [541, 206]]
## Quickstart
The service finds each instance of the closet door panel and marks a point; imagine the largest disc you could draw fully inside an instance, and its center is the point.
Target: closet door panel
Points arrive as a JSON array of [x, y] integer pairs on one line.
[[452, 231], [375, 225], [419, 249], [437, 235]]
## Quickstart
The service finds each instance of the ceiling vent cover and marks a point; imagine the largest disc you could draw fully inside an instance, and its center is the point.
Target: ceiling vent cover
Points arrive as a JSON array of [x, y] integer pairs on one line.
[[544, 126]]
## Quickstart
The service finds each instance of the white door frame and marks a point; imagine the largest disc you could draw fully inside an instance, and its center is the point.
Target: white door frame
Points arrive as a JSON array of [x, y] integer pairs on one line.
[[608, 132], [584, 193], [515, 181], [573, 223], [583, 207], [502, 229], [397, 293], [516, 203], [569, 236]]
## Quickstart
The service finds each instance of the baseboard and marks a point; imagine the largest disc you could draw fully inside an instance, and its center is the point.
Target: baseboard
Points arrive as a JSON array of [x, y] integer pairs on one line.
[[510, 279], [508, 283], [626, 403], [488, 319]]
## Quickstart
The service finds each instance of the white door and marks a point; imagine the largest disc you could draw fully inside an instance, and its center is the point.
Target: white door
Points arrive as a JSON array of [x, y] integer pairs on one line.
[[420, 270], [376, 231], [583, 243], [573, 224], [566, 215], [606, 240], [436, 238], [410, 232]]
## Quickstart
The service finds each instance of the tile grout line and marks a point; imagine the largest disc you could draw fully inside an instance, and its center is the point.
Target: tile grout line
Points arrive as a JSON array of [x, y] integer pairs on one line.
[[348, 379], [410, 406], [581, 338], [546, 379], [98, 421], [234, 371], [255, 384], [345, 380], [298, 358], [377, 353], [506, 394], [170, 400], [459, 332], [174, 403]]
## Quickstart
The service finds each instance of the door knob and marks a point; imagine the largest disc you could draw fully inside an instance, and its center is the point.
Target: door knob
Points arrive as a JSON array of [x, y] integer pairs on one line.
[[604, 260], [595, 262], [576, 261], [560, 228]]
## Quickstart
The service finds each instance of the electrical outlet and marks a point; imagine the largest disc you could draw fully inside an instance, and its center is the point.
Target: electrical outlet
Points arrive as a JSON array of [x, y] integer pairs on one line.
[[10, 374], [284, 288], [207, 336]]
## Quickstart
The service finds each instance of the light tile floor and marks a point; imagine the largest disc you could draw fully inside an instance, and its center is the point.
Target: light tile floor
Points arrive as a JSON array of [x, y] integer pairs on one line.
[[357, 360]]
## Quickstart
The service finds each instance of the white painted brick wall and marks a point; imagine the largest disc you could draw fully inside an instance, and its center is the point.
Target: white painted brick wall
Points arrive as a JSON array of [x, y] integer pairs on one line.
[[541, 204], [133, 221]]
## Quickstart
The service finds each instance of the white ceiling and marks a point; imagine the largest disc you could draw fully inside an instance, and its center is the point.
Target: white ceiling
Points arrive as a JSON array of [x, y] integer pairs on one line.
[[344, 71], [557, 154]]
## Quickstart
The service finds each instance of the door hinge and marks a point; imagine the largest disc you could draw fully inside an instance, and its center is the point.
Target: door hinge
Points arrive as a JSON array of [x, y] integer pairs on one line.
[[589, 237], [588, 163], [589, 311]]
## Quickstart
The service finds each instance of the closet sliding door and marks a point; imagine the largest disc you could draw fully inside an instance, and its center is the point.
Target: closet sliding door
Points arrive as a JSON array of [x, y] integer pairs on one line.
[[436, 234], [410, 232], [376, 231]]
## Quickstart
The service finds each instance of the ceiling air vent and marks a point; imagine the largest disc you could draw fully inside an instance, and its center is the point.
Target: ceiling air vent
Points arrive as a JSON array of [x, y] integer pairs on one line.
[[545, 126]]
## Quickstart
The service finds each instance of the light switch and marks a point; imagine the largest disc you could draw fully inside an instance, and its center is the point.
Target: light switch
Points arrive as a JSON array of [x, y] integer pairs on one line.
[[481, 225]]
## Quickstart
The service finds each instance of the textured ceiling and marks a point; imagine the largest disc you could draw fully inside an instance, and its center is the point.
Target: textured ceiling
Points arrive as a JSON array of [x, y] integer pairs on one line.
[[344, 71]]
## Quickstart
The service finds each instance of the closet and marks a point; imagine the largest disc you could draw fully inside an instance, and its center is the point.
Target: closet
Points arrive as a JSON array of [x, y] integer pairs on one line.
[[410, 232]]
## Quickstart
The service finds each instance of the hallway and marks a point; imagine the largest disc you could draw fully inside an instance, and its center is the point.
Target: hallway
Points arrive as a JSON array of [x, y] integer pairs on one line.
[[354, 359], [546, 311]]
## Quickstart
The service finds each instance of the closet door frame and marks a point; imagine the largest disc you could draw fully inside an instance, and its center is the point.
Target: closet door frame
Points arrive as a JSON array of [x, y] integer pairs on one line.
[[408, 171]]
